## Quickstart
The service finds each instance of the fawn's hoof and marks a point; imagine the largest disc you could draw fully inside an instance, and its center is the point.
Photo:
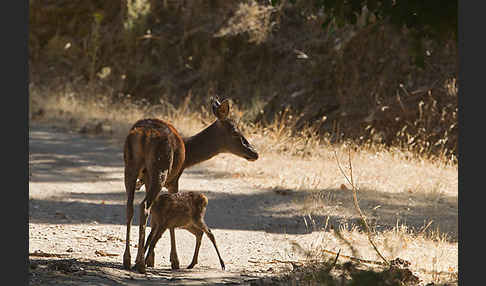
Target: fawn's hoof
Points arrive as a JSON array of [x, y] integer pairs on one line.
[[150, 263], [174, 265], [191, 266], [140, 267]]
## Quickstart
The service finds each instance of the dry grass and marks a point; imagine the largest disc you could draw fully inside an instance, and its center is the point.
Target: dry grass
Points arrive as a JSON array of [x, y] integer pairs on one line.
[[411, 202], [78, 110], [432, 259]]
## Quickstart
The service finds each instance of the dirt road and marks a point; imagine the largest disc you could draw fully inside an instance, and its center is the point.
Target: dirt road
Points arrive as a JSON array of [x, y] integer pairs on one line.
[[77, 219]]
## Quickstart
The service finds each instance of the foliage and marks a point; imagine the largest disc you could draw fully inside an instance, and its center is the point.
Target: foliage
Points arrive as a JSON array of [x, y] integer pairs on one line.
[[348, 273], [426, 19], [431, 18]]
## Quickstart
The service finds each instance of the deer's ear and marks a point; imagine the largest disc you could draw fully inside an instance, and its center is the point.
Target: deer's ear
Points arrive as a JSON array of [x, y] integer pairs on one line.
[[222, 110]]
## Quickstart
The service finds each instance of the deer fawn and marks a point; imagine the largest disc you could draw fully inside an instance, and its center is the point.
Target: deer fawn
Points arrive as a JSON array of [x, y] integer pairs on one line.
[[156, 155], [184, 210]]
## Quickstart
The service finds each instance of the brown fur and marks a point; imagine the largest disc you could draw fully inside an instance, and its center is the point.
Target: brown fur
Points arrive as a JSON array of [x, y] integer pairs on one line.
[[155, 155], [183, 210]]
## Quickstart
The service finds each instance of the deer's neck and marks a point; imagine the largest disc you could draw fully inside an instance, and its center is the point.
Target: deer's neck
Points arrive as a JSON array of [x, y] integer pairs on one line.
[[202, 146]]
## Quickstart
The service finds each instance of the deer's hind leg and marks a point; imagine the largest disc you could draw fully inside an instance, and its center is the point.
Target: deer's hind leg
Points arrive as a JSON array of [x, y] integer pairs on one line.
[[153, 188], [131, 172], [150, 260], [156, 172]]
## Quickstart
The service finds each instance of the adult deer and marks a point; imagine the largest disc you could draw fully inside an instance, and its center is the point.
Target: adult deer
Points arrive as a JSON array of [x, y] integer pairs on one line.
[[156, 155]]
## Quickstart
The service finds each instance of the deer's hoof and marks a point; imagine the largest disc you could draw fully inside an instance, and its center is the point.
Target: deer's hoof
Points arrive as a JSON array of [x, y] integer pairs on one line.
[[126, 262]]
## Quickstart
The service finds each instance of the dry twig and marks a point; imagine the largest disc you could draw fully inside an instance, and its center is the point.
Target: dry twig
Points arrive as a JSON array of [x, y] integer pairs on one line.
[[352, 258], [355, 200], [335, 260], [40, 253]]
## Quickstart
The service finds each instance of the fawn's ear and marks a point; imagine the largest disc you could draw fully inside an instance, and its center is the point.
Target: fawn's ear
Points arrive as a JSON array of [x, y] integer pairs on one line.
[[220, 109]]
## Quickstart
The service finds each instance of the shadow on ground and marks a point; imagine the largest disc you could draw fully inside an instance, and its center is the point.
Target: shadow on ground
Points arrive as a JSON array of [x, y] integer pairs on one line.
[[265, 211], [70, 157], [72, 271], [58, 159]]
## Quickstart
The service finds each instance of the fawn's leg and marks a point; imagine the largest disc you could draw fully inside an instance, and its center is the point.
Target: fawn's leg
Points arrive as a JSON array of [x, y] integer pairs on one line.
[[174, 260], [150, 259], [198, 233], [172, 188], [149, 238], [153, 241], [208, 232]]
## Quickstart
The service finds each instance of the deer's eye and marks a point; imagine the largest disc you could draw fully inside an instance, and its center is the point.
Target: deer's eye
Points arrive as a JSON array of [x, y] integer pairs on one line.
[[244, 142]]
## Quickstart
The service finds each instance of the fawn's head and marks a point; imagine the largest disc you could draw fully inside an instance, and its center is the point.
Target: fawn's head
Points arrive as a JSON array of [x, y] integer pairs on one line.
[[232, 139]]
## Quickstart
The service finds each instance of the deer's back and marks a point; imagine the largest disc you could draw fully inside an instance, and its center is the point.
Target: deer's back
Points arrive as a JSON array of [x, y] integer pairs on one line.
[[153, 139]]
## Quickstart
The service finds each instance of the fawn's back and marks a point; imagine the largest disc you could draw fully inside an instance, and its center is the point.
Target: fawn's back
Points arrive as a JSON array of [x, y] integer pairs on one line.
[[178, 209]]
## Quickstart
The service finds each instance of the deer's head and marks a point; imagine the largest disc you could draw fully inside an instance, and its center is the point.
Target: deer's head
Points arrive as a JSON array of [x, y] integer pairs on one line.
[[231, 137]]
